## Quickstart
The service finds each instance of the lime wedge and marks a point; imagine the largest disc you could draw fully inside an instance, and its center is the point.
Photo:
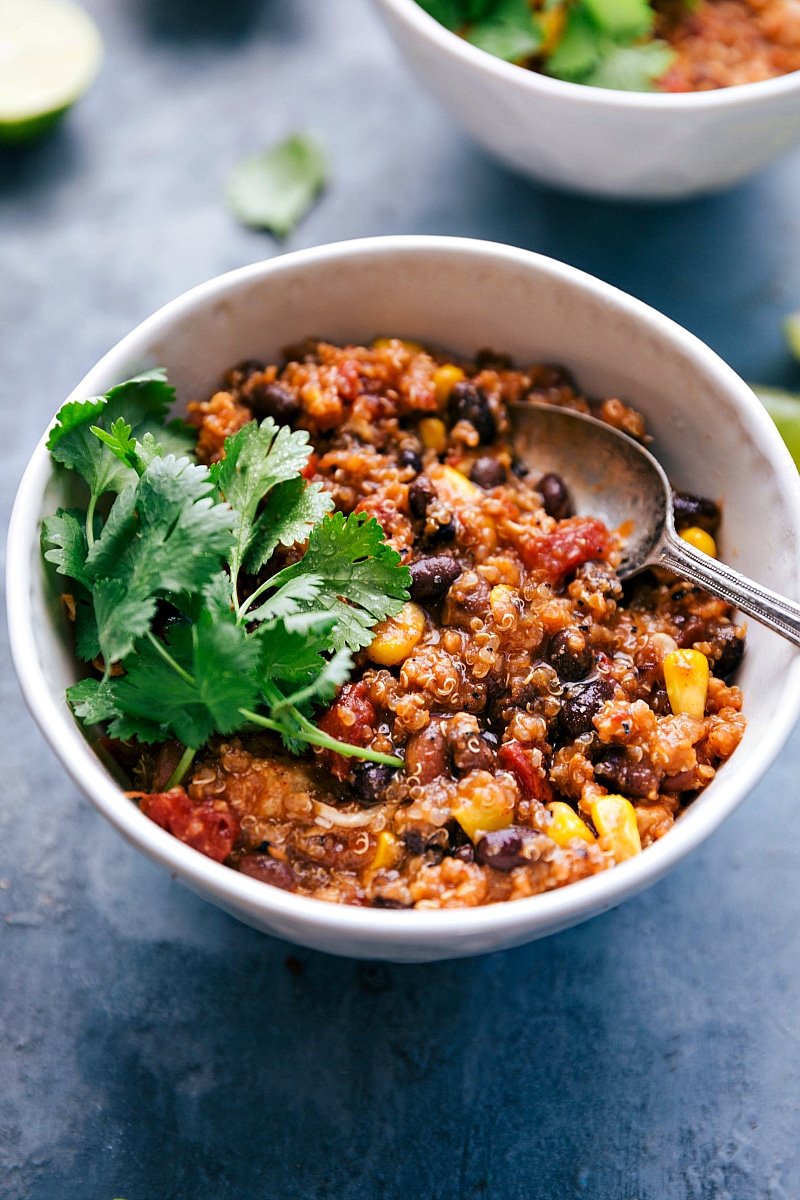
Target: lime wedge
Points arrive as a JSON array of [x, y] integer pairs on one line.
[[791, 330], [50, 51], [784, 408]]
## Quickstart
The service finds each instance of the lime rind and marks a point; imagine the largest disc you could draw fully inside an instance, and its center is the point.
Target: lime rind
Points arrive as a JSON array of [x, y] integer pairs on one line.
[[791, 331], [50, 53], [784, 408]]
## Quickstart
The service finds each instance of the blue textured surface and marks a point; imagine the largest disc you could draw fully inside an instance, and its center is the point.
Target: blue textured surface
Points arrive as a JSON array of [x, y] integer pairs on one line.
[[150, 1047]]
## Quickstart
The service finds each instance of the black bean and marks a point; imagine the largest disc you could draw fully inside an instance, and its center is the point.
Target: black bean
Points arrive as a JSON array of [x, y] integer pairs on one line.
[[519, 469], [413, 841], [432, 577], [368, 782], [689, 629], [688, 510], [470, 403], [731, 651], [465, 853], [618, 772], [491, 359], [659, 702], [583, 704], [385, 902], [488, 472], [443, 535], [269, 870], [274, 400], [409, 458], [426, 754], [570, 654], [505, 849], [243, 371], [420, 494], [555, 497]]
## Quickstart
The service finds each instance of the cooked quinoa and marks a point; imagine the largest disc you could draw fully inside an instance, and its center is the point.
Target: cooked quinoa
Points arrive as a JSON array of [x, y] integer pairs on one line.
[[523, 685], [721, 43]]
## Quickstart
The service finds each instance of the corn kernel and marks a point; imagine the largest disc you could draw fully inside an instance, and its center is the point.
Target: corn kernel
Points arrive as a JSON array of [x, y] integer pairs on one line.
[[396, 638], [385, 343], [686, 679], [701, 540], [387, 852], [483, 804], [433, 434], [451, 486], [444, 380], [615, 820], [566, 825]]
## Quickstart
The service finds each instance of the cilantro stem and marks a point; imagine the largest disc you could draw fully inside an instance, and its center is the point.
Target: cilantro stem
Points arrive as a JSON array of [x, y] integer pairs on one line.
[[177, 668], [183, 766], [313, 735], [242, 608], [90, 519]]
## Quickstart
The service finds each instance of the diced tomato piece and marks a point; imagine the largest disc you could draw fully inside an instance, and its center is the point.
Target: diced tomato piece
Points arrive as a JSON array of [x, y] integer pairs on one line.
[[573, 542], [310, 469], [210, 826], [351, 718], [517, 759]]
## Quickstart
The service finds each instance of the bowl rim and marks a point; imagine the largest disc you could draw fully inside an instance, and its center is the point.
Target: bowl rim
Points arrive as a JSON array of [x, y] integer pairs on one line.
[[738, 95], [546, 911]]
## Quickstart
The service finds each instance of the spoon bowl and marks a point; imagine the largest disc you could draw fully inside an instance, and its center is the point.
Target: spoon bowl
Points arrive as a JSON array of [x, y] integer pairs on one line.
[[613, 477]]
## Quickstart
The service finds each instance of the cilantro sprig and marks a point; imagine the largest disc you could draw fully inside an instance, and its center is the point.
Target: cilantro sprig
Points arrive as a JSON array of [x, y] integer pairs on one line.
[[245, 646], [599, 43]]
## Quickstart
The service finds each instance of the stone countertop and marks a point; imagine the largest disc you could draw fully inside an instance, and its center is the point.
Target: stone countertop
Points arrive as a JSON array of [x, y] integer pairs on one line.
[[151, 1047]]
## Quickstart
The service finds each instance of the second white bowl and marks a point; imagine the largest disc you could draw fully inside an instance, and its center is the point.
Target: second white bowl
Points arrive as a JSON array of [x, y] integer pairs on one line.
[[632, 145]]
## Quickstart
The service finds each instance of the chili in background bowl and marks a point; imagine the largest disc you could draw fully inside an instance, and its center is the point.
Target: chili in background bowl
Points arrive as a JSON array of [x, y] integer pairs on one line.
[[629, 145], [710, 432]]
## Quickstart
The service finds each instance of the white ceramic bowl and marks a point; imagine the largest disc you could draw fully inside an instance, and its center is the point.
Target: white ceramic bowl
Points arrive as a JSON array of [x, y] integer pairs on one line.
[[710, 432], [626, 144]]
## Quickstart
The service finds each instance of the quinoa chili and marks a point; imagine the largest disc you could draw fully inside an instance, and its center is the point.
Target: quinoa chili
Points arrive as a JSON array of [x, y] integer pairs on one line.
[[551, 721]]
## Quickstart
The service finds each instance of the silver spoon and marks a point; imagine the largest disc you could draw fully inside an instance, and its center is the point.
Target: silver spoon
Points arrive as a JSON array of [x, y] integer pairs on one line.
[[612, 477]]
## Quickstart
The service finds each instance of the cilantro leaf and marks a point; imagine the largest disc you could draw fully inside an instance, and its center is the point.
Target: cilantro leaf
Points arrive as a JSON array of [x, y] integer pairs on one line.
[[65, 533], [216, 676], [291, 510], [364, 581], [165, 535], [146, 397], [295, 596], [622, 20], [577, 53], [256, 459], [92, 701], [450, 13], [508, 30], [275, 188], [632, 68], [293, 657], [87, 642]]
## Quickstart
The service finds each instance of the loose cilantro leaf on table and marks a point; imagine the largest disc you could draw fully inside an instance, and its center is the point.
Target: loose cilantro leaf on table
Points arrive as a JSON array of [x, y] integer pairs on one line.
[[275, 188], [183, 535]]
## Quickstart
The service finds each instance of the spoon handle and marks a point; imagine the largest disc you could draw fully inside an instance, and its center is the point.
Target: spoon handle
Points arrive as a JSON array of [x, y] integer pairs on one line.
[[751, 598]]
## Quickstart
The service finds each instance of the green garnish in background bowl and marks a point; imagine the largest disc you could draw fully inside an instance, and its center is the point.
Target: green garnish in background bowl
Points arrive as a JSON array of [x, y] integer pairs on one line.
[[599, 43]]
